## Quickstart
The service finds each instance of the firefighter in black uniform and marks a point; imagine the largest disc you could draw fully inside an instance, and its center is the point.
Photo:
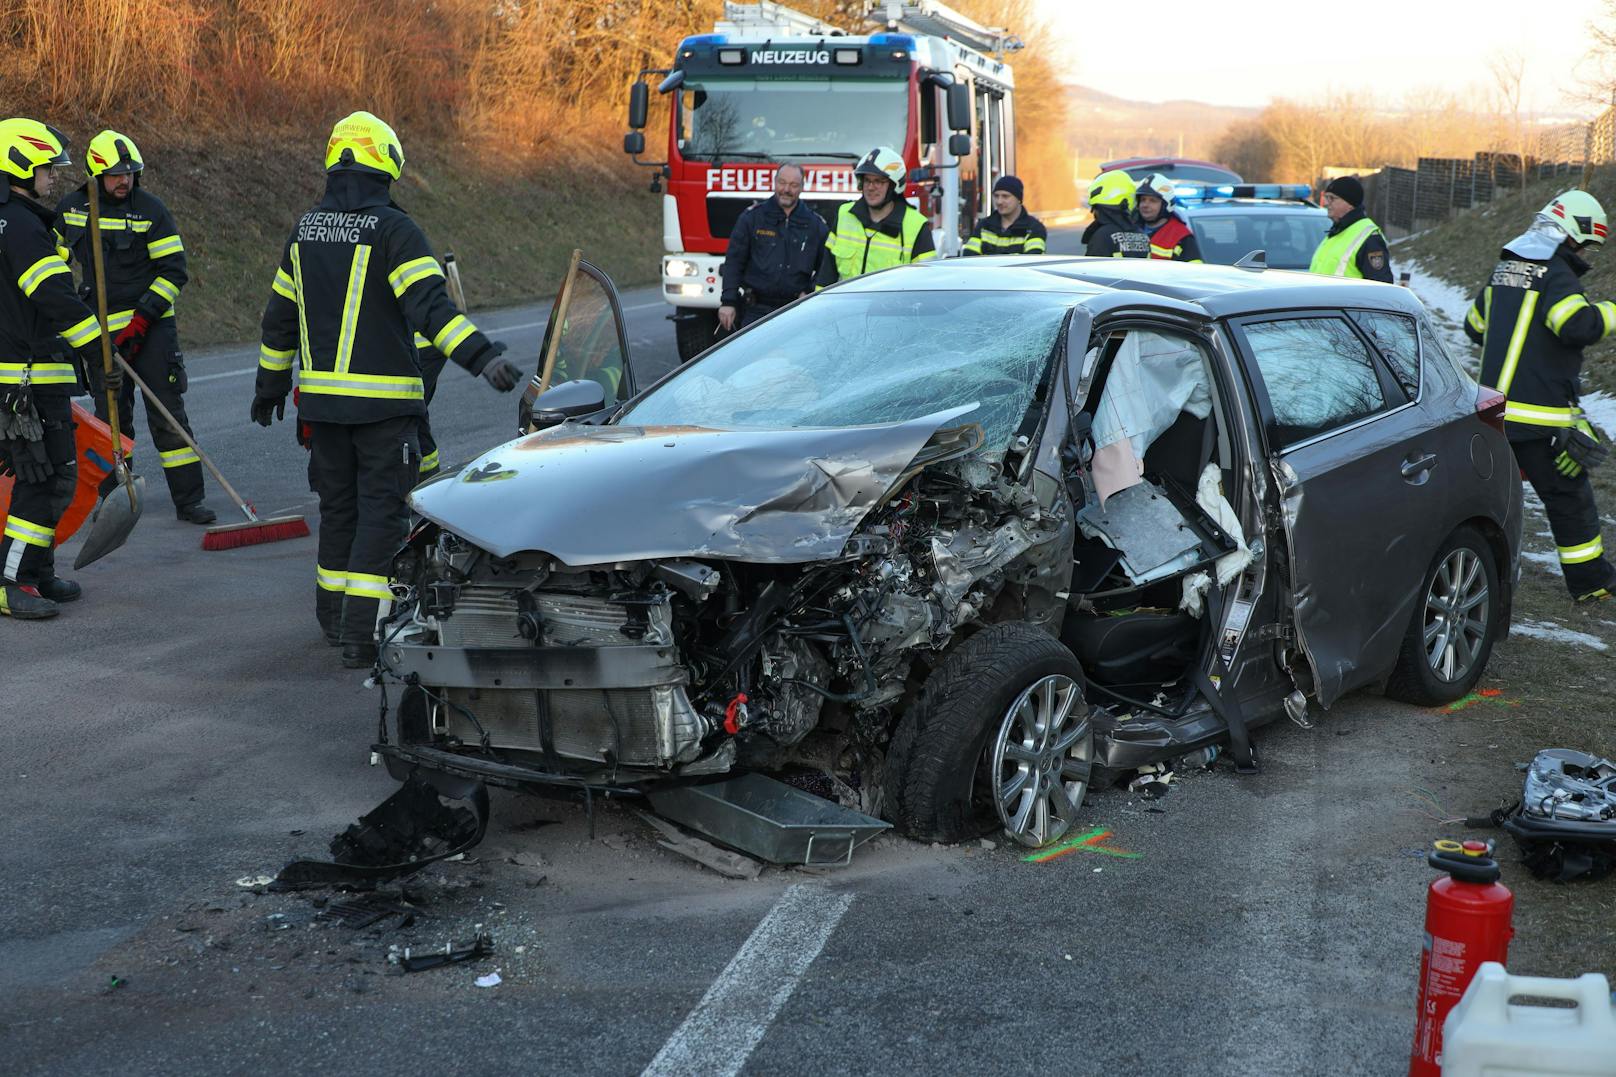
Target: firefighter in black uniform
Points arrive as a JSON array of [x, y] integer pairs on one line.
[[1009, 229], [145, 262], [1113, 233], [357, 280], [43, 325], [773, 253], [1532, 320]]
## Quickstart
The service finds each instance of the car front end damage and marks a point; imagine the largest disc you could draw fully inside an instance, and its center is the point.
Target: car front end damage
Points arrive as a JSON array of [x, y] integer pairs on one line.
[[636, 607]]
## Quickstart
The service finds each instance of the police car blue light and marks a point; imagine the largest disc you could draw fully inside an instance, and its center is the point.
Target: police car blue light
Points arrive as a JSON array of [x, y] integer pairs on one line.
[[1201, 192]]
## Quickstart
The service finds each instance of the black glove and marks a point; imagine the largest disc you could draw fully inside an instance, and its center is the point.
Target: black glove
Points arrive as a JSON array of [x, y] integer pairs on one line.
[[1580, 449], [114, 380], [27, 461], [266, 409], [500, 372]]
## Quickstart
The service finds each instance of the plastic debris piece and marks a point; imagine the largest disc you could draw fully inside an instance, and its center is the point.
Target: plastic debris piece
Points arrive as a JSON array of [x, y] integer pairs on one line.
[[491, 980], [254, 882], [451, 954]]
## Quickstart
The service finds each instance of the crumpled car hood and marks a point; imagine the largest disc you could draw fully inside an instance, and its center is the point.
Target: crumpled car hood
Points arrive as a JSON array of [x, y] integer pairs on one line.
[[590, 495]]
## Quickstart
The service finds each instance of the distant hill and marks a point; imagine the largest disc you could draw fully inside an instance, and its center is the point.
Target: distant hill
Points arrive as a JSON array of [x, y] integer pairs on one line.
[[1105, 126]]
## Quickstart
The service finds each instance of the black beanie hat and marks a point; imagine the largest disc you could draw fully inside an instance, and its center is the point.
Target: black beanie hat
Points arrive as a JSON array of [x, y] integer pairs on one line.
[[1346, 188], [1011, 184]]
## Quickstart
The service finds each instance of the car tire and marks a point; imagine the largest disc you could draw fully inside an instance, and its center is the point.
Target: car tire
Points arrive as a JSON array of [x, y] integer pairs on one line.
[[694, 331], [1445, 650], [964, 727]]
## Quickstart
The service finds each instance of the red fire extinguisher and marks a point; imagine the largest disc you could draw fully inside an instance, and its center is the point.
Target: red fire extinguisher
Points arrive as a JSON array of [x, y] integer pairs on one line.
[[1467, 921]]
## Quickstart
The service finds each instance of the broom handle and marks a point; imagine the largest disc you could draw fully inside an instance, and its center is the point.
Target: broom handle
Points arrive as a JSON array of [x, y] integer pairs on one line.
[[154, 401], [561, 322], [93, 188]]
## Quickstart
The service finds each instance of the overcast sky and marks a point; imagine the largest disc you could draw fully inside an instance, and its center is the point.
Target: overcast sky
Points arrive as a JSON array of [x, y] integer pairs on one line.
[[1306, 50]]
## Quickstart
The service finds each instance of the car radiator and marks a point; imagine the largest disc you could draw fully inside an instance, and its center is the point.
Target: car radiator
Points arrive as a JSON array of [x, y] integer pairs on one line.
[[634, 726]]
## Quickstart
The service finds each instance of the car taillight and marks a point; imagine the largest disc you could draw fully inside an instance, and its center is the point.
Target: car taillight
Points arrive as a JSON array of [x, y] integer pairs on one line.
[[1490, 407]]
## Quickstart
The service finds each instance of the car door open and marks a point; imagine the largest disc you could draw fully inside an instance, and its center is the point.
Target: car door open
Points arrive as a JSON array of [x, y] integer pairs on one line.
[[585, 339]]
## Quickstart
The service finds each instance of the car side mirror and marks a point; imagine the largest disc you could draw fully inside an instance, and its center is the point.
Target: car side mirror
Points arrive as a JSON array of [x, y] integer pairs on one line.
[[566, 401], [959, 145], [634, 143], [639, 104], [959, 107]]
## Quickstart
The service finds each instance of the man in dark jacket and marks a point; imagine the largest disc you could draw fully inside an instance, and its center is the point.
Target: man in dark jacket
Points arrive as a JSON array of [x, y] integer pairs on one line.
[[1532, 320], [355, 284], [773, 253], [44, 325], [145, 263], [1009, 229], [1113, 233], [1354, 246]]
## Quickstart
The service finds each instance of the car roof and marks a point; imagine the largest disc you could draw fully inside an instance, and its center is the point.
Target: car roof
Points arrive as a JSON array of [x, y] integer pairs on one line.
[[1211, 291], [1140, 162]]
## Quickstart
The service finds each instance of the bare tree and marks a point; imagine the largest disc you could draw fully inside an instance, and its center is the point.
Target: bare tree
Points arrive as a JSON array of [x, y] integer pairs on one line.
[[1509, 79]]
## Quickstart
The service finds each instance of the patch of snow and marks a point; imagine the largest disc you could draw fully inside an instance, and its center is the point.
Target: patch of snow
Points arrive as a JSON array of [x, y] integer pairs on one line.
[[1540, 557], [1447, 302], [1558, 633], [1600, 407]]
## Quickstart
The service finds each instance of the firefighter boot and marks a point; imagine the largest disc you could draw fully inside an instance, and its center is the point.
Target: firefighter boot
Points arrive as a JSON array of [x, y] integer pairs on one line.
[[358, 655], [25, 603], [195, 513], [58, 590]]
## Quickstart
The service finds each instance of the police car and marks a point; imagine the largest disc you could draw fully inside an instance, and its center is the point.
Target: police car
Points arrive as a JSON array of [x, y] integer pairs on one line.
[[1231, 220]]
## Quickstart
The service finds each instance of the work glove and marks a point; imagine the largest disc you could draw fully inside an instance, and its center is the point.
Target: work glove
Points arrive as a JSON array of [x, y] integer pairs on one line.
[[1580, 449], [500, 372], [26, 460], [266, 409], [132, 337], [90, 357]]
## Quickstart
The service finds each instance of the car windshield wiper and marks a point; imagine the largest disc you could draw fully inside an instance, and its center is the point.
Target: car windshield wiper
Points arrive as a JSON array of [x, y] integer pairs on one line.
[[827, 153]]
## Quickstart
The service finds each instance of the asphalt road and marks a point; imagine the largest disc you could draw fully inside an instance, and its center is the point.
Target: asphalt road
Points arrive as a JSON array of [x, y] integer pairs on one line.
[[184, 726]]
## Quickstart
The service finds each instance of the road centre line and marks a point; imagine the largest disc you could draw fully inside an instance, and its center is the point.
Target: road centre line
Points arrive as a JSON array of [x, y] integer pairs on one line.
[[719, 1035]]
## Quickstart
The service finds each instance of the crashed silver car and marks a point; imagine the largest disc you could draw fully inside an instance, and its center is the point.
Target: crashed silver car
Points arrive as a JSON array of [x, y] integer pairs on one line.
[[952, 537]]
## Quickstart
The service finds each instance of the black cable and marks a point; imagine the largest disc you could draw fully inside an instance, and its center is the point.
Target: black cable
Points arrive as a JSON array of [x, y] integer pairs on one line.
[[1119, 697]]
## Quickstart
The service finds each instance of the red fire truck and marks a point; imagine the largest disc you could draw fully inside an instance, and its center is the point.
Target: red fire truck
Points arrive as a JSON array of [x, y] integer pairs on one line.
[[771, 85]]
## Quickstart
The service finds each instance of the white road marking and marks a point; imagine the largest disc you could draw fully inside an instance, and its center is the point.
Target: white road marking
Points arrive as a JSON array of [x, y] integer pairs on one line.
[[719, 1035]]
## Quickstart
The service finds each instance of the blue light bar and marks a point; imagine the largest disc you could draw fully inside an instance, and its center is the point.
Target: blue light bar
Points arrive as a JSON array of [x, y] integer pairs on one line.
[[703, 39], [1278, 192], [893, 41]]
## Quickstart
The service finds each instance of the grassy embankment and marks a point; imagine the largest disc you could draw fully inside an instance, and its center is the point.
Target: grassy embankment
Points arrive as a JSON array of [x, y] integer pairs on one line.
[[512, 233], [1558, 691]]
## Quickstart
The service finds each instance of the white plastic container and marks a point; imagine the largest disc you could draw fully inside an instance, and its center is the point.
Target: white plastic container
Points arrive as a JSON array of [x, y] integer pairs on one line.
[[1484, 1036]]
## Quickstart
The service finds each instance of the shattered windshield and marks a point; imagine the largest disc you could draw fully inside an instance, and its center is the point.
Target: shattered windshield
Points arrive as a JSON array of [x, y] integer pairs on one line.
[[861, 358], [769, 118]]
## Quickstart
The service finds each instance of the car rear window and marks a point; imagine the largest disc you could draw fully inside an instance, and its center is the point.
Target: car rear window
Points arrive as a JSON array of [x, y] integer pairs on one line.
[[1317, 373], [1287, 238], [1395, 336]]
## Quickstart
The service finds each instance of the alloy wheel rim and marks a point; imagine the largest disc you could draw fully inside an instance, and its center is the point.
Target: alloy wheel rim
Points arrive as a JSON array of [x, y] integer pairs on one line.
[[1456, 610], [1041, 761]]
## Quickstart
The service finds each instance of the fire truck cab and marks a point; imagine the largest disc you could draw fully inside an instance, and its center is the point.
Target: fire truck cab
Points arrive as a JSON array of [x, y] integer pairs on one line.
[[771, 86]]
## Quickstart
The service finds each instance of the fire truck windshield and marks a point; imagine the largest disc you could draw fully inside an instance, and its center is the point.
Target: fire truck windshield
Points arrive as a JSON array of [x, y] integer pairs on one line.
[[839, 119]]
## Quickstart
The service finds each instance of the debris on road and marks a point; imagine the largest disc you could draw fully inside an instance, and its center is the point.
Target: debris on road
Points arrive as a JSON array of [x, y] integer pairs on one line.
[[254, 882], [1153, 780], [1566, 821], [451, 954], [404, 833], [490, 980], [728, 864], [364, 912]]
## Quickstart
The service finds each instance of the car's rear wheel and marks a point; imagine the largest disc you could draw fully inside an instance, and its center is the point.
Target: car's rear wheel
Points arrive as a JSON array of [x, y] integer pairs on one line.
[[1451, 633], [1000, 738]]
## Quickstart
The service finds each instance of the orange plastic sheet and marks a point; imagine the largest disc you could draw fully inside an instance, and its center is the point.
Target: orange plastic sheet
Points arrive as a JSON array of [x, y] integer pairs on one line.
[[94, 440]]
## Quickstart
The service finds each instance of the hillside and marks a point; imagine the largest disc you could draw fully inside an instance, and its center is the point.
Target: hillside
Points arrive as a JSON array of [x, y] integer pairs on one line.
[[1104, 125]]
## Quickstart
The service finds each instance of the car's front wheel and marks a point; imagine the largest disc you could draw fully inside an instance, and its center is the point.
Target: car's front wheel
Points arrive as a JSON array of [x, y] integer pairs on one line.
[[1452, 630], [1000, 737]]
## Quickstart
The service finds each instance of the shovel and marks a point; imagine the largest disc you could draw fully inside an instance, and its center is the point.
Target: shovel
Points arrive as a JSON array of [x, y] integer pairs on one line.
[[112, 522], [111, 527]]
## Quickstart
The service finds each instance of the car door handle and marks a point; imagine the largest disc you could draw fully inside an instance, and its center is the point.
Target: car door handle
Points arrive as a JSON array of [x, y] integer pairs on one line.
[[1416, 464]]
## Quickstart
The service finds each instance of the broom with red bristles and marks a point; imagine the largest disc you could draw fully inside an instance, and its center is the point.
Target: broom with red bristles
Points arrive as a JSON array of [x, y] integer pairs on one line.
[[256, 530]]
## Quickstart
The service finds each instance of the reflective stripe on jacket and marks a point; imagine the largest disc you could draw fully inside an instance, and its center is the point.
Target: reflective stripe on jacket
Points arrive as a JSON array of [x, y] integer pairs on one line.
[[1026, 235], [1343, 250], [144, 255], [1532, 320], [42, 318], [858, 245], [356, 283]]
